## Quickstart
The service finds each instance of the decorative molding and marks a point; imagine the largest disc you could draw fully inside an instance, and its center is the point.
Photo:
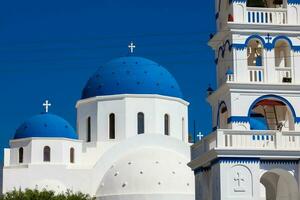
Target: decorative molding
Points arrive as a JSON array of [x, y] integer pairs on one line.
[[238, 119], [266, 42]]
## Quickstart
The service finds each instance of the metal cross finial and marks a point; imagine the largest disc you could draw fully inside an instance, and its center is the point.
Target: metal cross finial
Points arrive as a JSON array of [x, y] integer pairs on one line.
[[200, 136], [47, 104], [269, 38], [131, 47]]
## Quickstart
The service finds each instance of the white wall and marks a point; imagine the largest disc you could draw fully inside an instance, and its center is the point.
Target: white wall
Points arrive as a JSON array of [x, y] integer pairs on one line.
[[126, 108], [34, 147]]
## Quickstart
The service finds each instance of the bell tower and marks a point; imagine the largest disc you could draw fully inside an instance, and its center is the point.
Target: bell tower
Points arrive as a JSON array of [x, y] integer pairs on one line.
[[257, 48], [253, 151]]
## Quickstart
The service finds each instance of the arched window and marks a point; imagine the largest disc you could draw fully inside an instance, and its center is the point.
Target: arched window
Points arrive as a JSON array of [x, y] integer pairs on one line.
[[21, 155], [140, 123], [47, 154], [112, 126], [72, 155], [223, 117], [282, 54], [255, 53], [167, 124], [183, 129], [88, 130]]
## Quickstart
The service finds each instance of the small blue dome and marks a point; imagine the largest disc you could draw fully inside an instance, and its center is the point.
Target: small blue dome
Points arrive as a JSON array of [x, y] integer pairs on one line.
[[131, 75], [46, 125], [229, 72], [258, 122]]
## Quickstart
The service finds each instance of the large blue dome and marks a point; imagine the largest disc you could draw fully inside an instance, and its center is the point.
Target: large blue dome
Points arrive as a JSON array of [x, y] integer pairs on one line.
[[131, 75], [46, 125]]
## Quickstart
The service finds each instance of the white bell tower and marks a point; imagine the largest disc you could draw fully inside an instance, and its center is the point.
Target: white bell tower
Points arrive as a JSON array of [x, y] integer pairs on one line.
[[257, 51], [253, 151]]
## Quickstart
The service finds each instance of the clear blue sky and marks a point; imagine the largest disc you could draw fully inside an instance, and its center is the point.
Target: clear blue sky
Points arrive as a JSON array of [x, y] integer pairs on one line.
[[49, 49]]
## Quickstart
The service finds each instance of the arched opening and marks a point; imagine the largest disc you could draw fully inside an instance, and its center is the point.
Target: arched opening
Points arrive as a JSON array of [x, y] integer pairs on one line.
[[21, 155], [282, 54], [223, 116], [47, 154], [283, 61], [183, 129], [255, 52], [280, 185], [266, 3], [272, 113], [167, 124], [72, 155], [112, 126], [88, 129], [140, 123]]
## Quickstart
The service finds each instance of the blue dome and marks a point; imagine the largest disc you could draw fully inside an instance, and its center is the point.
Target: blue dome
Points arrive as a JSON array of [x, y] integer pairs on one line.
[[46, 125], [131, 75]]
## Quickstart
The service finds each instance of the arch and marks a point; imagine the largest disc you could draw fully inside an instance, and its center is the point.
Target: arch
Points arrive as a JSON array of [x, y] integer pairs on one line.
[[255, 52], [272, 112], [112, 126], [276, 97], [47, 154], [282, 37], [140, 123], [21, 155], [222, 51], [72, 155], [221, 105], [257, 37], [280, 185], [88, 129], [167, 124], [282, 53], [227, 43]]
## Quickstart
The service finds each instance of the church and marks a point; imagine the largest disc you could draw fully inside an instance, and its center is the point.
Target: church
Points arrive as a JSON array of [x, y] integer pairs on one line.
[[253, 151], [131, 140]]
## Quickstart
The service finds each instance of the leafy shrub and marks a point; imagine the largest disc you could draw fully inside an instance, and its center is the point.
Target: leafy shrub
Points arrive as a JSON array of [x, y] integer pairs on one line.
[[29, 194]]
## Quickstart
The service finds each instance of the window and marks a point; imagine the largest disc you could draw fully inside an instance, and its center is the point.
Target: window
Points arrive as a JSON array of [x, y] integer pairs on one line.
[[141, 123], [72, 155], [47, 152], [255, 53], [282, 54], [167, 124], [112, 126], [183, 129], [89, 130], [21, 154]]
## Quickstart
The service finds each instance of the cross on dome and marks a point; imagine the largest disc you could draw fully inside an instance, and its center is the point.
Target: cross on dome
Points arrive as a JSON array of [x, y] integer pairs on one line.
[[131, 47], [47, 104]]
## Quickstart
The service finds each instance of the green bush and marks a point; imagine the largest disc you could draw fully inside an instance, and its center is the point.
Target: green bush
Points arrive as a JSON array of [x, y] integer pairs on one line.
[[44, 195]]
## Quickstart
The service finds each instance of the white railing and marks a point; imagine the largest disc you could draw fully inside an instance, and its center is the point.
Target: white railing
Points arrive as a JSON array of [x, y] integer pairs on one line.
[[247, 140], [267, 15], [256, 74], [283, 72]]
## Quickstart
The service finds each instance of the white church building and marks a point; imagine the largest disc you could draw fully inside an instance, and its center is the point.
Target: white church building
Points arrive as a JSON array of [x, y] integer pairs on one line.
[[253, 151], [131, 141]]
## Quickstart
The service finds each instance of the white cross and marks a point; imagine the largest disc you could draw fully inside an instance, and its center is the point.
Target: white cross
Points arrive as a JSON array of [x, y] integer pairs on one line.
[[200, 136], [46, 105], [239, 179], [131, 47]]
